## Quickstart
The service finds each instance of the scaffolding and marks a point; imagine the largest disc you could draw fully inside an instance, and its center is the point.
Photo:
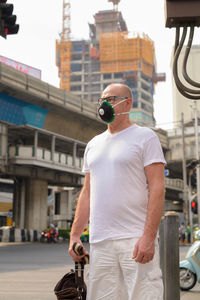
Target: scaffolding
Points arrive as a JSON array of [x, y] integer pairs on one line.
[[120, 53], [63, 48]]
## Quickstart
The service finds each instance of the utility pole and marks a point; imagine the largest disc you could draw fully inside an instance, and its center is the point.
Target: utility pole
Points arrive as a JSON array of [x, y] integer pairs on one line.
[[197, 157], [185, 198], [190, 217]]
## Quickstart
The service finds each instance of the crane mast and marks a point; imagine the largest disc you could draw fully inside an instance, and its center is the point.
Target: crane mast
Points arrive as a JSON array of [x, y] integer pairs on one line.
[[66, 25], [63, 48], [115, 4]]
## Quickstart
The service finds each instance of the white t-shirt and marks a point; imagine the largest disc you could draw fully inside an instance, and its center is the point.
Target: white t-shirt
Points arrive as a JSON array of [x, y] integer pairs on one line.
[[118, 186]]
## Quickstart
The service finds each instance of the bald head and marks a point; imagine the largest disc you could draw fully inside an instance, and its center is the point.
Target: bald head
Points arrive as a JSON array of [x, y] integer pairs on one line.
[[118, 89]]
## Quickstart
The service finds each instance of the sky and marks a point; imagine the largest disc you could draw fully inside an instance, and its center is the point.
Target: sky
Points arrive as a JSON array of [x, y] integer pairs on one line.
[[41, 22]]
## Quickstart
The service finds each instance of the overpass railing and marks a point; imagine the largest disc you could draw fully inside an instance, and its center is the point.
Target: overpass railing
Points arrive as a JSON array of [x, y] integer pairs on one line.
[[26, 155], [174, 183]]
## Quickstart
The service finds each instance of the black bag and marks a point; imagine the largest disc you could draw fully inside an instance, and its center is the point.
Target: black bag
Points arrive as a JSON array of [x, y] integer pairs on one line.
[[71, 286]]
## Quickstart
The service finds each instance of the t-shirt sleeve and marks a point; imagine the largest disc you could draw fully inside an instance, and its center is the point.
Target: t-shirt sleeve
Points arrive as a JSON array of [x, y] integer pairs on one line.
[[85, 168], [152, 152]]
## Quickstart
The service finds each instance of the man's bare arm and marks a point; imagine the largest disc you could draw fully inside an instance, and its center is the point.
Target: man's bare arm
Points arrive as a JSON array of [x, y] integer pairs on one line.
[[81, 217], [145, 247]]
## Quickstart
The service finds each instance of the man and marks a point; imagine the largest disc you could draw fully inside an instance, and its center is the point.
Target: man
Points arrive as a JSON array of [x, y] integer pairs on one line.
[[123, 197]]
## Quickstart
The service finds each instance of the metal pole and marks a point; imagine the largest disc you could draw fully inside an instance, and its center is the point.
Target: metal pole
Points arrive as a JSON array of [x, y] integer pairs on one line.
[[185, 198], [197, 157], [171, 256], [162, 246], [189, 209], [53, 142], [74, 154], [35, 143]]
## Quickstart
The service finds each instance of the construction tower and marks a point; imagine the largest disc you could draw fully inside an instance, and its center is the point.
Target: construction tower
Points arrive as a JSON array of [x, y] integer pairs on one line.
[[115, 4], [112, 54], [63, 48]]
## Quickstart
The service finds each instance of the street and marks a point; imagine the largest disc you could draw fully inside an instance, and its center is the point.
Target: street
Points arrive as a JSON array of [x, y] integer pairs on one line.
[[30, 271]]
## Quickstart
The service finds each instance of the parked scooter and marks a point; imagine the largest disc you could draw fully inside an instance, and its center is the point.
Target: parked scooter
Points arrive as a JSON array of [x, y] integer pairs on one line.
[[190, 267]]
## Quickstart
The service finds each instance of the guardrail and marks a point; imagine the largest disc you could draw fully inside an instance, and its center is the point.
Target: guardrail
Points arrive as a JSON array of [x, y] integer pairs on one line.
[[26, 153], [174, 183]]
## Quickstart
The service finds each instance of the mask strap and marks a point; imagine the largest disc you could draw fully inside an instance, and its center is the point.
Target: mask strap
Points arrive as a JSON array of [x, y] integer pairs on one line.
[[119, 102], [122, 113]]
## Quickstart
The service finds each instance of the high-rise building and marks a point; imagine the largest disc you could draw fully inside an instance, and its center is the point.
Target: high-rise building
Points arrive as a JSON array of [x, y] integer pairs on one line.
[[111, 55], [180, 103]]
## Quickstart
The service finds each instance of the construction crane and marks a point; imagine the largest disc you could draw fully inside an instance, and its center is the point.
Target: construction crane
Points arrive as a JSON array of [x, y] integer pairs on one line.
[[63, 48], [115, 4]]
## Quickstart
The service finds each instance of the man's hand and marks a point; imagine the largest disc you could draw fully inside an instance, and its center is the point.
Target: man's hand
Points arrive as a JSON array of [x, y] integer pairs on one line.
[[76, 258], [144, 249]]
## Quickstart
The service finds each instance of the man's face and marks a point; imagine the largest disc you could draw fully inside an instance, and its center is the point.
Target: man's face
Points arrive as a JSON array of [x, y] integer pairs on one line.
[[111, 94]]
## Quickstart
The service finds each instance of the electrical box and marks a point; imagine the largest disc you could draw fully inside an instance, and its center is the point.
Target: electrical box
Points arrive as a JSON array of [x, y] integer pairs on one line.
[[182, 13]]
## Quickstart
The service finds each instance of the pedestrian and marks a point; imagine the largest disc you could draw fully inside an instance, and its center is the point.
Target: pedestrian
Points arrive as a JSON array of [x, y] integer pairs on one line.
[[188, 233], [182, 231], [122, 196]]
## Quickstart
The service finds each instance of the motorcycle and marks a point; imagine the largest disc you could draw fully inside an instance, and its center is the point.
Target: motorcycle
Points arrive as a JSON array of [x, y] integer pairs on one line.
[[49, 236], [43, 236], [190, 267]]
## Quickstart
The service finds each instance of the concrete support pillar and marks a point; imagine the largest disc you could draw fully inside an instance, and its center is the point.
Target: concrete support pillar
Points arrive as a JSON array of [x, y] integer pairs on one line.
[[64, 219], [16, 203], [22, 204], [3, 140], [35, 143], [36, 204]]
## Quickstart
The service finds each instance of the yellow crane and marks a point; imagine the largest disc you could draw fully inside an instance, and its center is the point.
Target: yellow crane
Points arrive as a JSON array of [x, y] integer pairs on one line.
[[63, 48]]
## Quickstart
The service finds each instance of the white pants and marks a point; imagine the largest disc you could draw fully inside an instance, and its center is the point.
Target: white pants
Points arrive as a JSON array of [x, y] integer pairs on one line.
[[114, 275]]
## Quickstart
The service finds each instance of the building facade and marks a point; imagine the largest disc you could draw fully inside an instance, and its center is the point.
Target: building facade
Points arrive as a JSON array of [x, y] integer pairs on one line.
[[111, 55]]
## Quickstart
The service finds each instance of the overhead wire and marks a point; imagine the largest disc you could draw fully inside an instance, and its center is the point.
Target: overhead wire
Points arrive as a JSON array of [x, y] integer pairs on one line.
[[189, 93]]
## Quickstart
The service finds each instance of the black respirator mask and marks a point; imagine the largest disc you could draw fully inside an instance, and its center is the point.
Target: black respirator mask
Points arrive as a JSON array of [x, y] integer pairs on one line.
[[107, 113]]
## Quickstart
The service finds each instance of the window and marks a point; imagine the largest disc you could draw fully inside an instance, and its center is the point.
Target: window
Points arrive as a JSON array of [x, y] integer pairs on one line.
[[118, 75], [76, 67], [75, 78], [105, 85], [75, 88], [135, 103], [57, 203], [95, 87], [86, 48], [145, 77], [132, 84], [95, 97], [145, 97], [76, 56], [146, 107], [49, 192], [107, 76], [95, 66], [95, 77], [86, 67], [145, 87], [77, 47]]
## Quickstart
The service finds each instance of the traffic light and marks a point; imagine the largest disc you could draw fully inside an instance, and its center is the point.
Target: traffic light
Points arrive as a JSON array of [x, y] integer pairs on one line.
[[7, 19], [194, 207]]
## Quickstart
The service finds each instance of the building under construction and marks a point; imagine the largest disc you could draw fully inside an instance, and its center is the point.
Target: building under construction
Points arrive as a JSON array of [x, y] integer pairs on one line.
[[111, 55]]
